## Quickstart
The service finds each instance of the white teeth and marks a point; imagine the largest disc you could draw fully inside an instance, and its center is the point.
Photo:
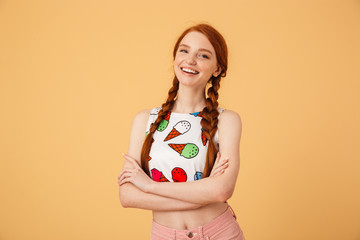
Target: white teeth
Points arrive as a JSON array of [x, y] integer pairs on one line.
[[189, 70]]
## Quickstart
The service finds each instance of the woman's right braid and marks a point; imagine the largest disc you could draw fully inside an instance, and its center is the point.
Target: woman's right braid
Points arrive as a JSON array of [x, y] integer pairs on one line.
[[165, 108]]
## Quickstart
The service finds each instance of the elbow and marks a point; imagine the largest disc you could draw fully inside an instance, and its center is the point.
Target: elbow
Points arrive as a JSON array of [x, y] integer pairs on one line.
[[124, 203], [224, 195], [123, 200]]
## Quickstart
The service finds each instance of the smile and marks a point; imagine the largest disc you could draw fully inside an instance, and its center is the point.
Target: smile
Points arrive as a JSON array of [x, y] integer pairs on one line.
[[188, 70]]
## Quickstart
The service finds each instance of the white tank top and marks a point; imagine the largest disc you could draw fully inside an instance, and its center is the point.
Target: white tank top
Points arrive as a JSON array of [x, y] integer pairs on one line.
[[178, 151]]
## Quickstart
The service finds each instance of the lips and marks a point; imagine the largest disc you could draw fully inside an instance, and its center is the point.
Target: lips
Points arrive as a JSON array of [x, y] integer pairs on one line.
[[189, 70]]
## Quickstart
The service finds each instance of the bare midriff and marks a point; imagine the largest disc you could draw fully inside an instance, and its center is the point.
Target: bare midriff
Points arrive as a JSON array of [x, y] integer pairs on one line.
[[189, 219]]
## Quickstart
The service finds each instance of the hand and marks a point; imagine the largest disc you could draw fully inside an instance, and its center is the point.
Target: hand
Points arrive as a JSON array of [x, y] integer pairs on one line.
[[135, 175], [219, 166]]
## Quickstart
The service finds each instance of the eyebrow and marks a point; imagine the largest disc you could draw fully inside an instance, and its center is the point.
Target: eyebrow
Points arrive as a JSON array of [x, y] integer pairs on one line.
[[201, 49]]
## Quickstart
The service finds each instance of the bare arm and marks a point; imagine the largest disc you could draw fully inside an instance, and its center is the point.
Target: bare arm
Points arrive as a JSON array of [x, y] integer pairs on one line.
[[208, 190], [131, 196]]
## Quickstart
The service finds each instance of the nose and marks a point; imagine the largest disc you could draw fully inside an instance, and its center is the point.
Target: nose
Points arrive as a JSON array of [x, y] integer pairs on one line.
[[191, 59]]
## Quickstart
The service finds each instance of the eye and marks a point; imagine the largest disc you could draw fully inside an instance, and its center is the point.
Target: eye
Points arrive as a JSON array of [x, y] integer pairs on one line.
[[183, 50], [204, 56]]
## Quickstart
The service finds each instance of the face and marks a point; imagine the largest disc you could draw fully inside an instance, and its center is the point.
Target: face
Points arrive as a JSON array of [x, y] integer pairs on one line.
[[195, 60]]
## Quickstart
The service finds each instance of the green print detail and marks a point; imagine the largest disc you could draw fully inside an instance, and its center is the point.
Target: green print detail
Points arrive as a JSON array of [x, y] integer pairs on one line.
[[187, 150], [162, 126], [190, 150], [146, 133]]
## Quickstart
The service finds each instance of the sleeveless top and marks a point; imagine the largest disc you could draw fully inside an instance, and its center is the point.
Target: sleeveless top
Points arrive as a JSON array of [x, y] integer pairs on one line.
[[178, 151]]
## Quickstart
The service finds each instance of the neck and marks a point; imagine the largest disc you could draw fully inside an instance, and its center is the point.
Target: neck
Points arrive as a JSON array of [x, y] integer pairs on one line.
[[189, 99]]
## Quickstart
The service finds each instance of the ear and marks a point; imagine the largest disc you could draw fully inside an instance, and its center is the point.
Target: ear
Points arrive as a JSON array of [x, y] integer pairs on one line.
[[217, 72]]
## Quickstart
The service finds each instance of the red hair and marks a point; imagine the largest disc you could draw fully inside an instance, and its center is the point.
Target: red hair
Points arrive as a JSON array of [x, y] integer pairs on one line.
[[210, 112]]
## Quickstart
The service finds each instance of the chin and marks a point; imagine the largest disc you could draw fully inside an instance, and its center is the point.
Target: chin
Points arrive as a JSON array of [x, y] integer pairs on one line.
[[187, 83]]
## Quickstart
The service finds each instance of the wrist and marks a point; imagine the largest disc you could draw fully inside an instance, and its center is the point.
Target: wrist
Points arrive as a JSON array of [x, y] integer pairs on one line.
[[151, 187]]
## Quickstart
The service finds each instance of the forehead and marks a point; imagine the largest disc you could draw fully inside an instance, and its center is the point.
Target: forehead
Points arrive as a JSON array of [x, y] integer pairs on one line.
[[197, 40]]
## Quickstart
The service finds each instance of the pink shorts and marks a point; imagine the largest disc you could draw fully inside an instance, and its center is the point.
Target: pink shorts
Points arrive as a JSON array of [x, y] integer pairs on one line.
[[223, 227]]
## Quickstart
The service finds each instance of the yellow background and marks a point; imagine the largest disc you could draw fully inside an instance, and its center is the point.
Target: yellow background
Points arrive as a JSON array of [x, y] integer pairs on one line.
[[74, 73]]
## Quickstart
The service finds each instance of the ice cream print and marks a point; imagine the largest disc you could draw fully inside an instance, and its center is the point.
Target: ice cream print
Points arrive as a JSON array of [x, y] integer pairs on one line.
[[187, 150], [179, 128], [179, 175], [198, 175], [158, 176], [164, 123]]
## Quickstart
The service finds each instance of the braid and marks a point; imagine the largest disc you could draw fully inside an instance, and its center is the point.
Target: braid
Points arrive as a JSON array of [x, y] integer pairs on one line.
[[165, 108], [209, 123]]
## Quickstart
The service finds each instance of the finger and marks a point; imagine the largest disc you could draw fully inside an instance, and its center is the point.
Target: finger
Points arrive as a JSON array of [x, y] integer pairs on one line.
[[126, 172], [224, 165], [120, 173], [219, 160], [220, 164], [125, 180], [215, 172], [125, 176], [217, 156], [221, 169], [218, 173]]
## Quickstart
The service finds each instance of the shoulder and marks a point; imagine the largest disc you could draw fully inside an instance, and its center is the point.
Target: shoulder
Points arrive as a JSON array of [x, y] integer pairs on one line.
[[229, 116], [230, 121], [142, 116]]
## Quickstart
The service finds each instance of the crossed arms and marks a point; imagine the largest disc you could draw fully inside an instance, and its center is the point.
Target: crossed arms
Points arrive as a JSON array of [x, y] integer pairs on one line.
[[137, 190]]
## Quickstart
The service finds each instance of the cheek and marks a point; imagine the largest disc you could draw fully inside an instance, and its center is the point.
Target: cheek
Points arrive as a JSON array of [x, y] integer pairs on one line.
[[178, 60], [209, 69]]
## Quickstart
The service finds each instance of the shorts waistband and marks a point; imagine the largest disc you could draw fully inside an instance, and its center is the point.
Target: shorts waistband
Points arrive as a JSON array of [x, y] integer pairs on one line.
[[209, 228]]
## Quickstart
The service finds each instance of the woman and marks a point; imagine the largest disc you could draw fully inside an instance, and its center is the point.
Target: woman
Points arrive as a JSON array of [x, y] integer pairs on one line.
[[179, 173]]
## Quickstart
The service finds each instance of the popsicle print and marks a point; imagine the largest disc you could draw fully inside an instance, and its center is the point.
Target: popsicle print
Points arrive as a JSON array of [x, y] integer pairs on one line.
[[187, 150], [179, 129], [164, 123]]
